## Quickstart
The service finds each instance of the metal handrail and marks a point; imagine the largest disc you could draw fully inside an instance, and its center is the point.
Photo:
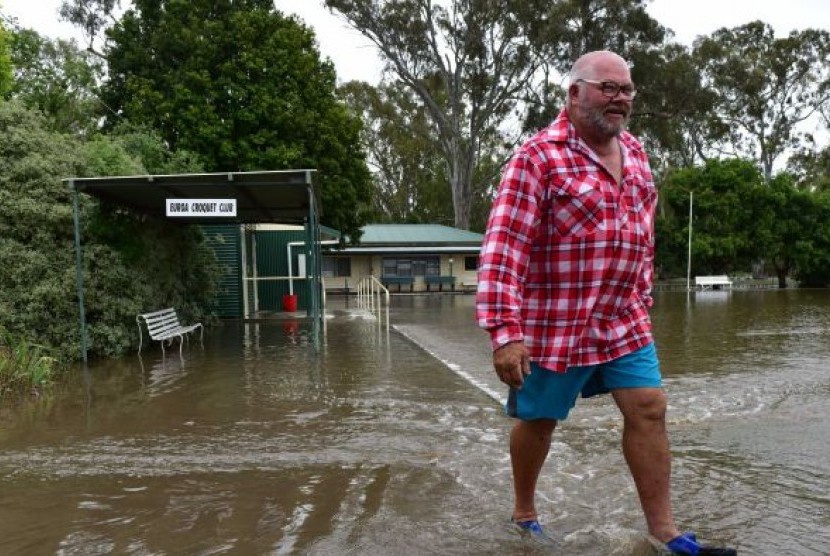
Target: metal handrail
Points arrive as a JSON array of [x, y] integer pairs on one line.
[[368, 288]]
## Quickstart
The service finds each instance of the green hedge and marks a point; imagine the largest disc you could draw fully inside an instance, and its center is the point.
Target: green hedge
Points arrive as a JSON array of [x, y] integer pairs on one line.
[[131, 264]]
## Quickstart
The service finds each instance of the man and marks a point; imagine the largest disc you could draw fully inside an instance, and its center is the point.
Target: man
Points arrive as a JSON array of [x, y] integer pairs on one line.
[[564, 290]]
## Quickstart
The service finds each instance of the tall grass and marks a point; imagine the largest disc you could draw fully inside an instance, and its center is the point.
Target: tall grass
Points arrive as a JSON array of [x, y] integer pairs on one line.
[[24, 366]]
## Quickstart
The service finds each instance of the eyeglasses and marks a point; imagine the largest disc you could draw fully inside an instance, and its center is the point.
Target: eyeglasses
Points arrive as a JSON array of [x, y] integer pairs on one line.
[[611, 89]]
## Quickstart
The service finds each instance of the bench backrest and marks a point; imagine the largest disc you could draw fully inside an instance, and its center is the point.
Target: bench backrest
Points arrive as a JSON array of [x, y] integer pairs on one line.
[[161, 322], [712, 280], [397, 279]]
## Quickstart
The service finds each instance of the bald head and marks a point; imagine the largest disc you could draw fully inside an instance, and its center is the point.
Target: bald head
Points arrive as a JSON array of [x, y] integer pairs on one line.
[[597, 114], [594, 64]]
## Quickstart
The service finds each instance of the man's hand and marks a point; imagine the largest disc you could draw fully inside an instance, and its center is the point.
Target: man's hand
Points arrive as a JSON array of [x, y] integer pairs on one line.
[[512, 364]]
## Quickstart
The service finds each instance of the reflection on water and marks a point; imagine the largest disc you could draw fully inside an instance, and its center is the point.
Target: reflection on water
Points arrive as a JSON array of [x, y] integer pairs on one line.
[[389, 439], [161, 375]]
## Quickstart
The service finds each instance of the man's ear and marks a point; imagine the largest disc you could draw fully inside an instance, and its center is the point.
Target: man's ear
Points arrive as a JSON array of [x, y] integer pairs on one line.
[[573, 91]]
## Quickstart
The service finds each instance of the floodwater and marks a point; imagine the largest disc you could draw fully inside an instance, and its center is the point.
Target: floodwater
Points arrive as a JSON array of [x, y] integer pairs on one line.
[[390, 439]]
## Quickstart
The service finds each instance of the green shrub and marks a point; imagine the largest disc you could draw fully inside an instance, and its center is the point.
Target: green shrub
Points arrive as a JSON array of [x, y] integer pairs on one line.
[[131, 264]]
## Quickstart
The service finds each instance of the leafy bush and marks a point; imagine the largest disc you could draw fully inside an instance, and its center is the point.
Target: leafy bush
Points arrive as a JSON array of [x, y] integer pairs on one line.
[[131, 264]]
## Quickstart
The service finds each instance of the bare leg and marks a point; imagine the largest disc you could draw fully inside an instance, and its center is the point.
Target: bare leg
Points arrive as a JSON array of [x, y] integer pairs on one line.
[[529, 446], [646, 450]]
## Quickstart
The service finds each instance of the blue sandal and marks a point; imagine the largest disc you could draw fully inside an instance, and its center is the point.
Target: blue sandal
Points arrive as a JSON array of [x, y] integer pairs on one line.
[[687, 545], [531, 529]]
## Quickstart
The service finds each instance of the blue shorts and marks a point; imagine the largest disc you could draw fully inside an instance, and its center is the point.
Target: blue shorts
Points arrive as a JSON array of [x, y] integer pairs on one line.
[[549, 395]]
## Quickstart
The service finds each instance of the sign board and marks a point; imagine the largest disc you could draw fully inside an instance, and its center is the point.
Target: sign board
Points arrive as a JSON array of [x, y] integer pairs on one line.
[[201, 207]]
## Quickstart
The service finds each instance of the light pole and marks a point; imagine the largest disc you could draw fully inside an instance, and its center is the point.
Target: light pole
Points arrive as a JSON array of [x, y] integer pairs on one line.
[[689, 260]]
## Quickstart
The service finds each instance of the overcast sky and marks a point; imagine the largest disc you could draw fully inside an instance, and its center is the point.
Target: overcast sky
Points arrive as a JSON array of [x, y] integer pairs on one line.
[[352, 53], [355, 58]]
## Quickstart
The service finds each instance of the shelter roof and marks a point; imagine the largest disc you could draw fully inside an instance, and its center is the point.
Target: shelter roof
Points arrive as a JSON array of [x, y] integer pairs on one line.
[[417, 234], [282, 196]]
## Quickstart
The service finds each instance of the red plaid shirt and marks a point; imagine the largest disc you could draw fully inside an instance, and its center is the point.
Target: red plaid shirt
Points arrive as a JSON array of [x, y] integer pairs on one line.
[[567, 260]]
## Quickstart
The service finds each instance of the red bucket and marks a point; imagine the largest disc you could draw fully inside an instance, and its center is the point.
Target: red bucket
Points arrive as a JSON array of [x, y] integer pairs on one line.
[[289, 303]]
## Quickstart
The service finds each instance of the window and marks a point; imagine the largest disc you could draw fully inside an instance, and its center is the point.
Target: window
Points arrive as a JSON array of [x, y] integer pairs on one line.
[[336, 266], [419, 267], [433, 267], [411, 266], [470, 263], [390, 267]]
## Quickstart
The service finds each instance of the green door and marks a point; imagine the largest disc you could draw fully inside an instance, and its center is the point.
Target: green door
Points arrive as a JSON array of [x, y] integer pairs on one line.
[[225, 239]]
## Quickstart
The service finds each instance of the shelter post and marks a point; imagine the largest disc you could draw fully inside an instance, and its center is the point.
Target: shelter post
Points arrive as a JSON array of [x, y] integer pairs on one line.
[[314, 266], [79, 275]]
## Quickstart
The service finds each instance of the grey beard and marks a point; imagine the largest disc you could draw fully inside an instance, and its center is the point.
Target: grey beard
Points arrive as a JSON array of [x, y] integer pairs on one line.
[[603, 126]]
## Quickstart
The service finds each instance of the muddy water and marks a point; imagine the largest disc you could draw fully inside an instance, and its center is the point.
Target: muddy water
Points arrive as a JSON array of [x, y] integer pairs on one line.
[[390, 440]]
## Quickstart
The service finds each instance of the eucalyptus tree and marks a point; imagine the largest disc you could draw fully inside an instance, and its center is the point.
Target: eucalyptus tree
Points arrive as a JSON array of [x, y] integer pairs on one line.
[[566, 29], [673, 112], [242, 86], [811, 166], [467, 61], [765, 86], [407, 171], [92, 17]]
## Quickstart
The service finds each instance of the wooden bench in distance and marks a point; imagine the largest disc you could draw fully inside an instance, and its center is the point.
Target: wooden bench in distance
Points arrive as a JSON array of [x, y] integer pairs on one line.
[[164, 326], [399, 280], [440, 280], [712, 282]]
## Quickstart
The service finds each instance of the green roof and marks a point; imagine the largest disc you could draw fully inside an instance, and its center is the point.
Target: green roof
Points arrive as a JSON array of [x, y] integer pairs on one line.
[[417, 234]]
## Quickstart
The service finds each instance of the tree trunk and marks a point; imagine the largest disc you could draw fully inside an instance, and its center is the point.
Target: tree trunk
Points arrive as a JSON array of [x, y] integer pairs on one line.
[[782, 278], [460, 177]]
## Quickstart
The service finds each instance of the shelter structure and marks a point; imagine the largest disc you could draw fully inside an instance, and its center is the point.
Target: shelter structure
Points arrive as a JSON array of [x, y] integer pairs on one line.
[[272, 197]]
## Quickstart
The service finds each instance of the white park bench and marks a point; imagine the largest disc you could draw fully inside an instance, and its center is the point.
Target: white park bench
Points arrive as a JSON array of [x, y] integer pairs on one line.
[[712, 282], [164, 326]]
